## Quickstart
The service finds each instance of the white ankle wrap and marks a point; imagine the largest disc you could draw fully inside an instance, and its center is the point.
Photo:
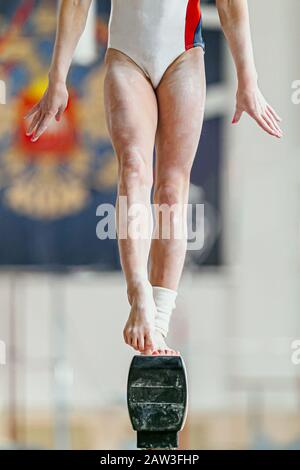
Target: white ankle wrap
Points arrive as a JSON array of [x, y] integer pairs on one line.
[[165, 303]]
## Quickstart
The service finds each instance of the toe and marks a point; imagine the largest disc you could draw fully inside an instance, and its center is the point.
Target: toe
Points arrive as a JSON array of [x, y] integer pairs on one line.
[[148, 347], [141, 343], [134, 343], [171, 352], [147, 352], [148, 343]]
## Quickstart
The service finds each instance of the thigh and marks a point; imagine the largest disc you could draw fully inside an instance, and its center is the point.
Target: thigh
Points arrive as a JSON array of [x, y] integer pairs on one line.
[[130, 106], [181, 101]]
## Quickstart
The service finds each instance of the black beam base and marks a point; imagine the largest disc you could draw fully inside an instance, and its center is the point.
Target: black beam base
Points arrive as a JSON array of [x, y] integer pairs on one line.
[[157, 440], [157, 400]]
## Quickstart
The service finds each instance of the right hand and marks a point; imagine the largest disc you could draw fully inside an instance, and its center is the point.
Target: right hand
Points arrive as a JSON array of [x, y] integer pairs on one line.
[[52, 105]]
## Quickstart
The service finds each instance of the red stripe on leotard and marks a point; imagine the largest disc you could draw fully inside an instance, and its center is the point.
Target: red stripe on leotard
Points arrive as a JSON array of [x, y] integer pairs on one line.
[[193, 17]]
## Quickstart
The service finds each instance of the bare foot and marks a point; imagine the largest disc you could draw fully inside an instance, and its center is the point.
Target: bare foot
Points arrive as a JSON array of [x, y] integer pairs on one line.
[[139, 329]]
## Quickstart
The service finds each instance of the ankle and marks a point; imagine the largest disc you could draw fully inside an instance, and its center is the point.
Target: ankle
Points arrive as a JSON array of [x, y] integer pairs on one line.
[[165, 302], [137, 287]]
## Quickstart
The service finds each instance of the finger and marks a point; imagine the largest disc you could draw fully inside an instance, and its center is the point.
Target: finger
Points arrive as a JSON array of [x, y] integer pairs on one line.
[[268, 121], [262, 123], [271, 125], [33, 123], [32, 111], [237, 116], [272, 118], [60, 113], [278, 118], [42, 126]]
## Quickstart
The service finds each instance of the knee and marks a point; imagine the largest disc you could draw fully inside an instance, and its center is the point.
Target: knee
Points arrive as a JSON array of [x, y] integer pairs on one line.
[[172, 190], [133, 170]]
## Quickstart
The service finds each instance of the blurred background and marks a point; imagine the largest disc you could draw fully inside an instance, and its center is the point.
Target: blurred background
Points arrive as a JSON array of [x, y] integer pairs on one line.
[[63, 364]]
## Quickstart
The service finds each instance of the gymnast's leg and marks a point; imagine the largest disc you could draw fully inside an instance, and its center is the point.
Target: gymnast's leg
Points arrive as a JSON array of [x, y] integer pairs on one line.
[[181, 101], [131, 113]]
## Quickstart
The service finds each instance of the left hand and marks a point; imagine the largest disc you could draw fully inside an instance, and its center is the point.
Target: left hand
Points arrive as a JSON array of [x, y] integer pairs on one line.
[[52, 105], [251, 101]]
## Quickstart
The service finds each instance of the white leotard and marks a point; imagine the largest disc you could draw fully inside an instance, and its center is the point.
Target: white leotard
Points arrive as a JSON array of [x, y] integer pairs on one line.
[[153, 33]]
